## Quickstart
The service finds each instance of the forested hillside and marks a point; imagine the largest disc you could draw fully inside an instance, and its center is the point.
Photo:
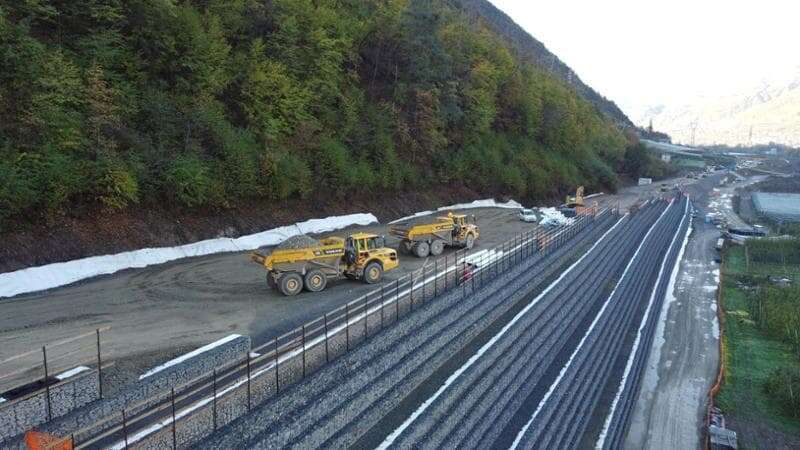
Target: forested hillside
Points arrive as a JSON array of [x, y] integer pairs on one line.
[[111, 105], [532, 51]]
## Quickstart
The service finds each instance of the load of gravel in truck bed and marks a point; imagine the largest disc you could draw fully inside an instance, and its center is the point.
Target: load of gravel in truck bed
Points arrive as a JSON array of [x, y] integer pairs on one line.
[[299, 241]]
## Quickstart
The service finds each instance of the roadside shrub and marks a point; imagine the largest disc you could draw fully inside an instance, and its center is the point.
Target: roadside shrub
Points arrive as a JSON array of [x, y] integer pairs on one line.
[[291, 177], [17, 190], [783, 387], [190, 179], [776, 311], [785, 251], [116, 185], [335, 167]]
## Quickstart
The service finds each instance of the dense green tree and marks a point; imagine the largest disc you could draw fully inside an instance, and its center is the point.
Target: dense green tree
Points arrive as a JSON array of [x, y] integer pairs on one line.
[[210, 103]]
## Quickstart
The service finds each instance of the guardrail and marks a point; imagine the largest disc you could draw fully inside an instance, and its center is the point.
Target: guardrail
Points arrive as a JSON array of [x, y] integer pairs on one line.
[[215, 399]]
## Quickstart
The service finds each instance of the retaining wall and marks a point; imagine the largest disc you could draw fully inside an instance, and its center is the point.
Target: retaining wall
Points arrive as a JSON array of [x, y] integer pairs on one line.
[[105, 413], [20, 415]]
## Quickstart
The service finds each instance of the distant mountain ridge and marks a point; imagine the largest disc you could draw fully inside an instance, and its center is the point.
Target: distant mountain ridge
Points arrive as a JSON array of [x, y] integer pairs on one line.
[[533, 51], [768, 112]]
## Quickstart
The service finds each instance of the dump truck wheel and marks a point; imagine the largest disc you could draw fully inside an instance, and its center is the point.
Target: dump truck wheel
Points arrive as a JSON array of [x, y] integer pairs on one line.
[[373, 273], [470, 241], [315, 281], [421, 249], [290, 283], [437, 247]]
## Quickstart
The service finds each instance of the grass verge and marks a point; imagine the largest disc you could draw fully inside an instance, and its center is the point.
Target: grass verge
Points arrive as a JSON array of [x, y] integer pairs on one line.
[[750, 357]]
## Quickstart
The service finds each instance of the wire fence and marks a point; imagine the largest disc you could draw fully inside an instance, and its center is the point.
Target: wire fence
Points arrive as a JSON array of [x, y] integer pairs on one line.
[[181, 416], [40, 385], [36, 367]]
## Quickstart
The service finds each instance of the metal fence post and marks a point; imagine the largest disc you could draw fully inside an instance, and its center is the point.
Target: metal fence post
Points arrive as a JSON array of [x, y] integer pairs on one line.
[[47, 385], [174, 434], [99, 366], [396, 300], [303, 343], [436, 278], [248, 381], [125, 428], [215, 399], [411, 292], [443, 269], [277, 369], [381, 307], [446, 272], [327, 356]]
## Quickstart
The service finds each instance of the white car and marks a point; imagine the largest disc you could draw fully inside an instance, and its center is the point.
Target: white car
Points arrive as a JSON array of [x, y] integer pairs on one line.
[[528, 215]]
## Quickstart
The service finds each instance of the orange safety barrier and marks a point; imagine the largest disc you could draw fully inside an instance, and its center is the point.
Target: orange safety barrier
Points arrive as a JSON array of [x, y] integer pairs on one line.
[[36, 440], [721, 367]]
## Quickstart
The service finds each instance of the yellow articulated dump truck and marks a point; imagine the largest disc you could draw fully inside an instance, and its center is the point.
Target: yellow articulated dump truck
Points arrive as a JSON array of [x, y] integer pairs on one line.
[[362, 256], [424, 238]]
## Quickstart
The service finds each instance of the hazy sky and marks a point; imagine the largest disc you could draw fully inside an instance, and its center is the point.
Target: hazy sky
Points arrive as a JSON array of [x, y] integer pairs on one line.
[[646, 52]]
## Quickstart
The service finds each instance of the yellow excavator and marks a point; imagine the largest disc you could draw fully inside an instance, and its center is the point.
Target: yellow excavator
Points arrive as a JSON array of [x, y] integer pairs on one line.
[[577, 200]]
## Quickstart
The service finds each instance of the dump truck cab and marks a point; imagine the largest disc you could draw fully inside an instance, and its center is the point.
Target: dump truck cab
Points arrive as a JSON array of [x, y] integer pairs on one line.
[[367, 257], [463, 226]]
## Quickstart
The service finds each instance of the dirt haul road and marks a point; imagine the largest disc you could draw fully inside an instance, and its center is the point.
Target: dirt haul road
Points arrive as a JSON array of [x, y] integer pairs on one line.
[[670, 408], [161, 311]]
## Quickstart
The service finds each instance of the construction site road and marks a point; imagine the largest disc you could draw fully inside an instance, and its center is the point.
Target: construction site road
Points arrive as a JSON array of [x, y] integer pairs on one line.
[[683, 362], [158, 312]]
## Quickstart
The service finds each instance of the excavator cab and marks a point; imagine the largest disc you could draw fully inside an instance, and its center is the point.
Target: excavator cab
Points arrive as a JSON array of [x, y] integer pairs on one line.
[[577, 200]]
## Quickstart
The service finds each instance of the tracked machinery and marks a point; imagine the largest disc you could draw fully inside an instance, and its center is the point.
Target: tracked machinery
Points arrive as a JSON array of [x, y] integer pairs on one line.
[[361, 256], [430, 238], [576, 205], [577, 200]]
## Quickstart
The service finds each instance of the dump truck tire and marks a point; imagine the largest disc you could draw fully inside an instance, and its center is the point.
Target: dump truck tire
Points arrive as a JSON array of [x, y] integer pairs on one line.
[[373, 273], [437, 247], [470, 242], [290, 283], [315, 281], [422, 249], [271, 281]]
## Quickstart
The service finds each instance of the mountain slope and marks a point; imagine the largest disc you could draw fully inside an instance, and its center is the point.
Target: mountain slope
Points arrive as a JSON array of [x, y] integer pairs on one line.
[[219, 104], [533, 51], [760, 114]]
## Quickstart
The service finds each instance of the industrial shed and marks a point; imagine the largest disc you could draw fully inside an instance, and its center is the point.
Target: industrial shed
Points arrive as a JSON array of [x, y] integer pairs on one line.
[[781, 207]]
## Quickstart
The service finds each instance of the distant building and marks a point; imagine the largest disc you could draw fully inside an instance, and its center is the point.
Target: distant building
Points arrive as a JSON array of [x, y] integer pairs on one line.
[[780, 207], [666, 157]]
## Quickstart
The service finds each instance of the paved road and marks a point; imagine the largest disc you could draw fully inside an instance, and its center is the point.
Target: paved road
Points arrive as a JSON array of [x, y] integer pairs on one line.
[[683, 364]]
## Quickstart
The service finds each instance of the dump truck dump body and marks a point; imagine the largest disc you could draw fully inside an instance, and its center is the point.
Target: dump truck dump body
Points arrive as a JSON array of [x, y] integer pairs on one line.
[[357, 257], [430, 237]]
